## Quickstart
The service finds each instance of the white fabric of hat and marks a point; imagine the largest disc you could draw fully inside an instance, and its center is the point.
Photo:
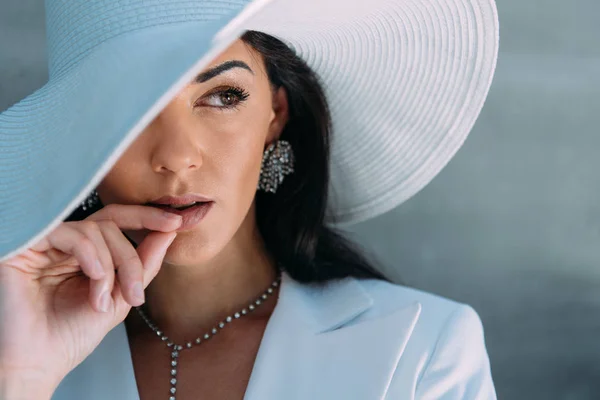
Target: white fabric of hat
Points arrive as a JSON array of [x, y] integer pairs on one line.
[[405, 81]]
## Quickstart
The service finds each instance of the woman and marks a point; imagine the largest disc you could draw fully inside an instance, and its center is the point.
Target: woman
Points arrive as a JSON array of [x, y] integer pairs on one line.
[[204, 130]]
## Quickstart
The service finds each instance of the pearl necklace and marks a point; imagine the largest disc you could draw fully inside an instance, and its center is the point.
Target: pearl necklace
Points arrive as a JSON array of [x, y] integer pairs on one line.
[[201, 339]]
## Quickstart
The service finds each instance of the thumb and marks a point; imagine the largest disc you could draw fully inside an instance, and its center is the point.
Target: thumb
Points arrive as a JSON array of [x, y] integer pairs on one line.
[[152, 251]]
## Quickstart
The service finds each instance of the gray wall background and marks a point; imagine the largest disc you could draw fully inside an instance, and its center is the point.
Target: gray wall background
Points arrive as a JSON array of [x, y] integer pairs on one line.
[[512, 225]]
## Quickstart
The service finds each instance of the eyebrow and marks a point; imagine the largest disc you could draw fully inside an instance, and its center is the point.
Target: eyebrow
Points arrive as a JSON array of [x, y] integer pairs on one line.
[[219, 69]]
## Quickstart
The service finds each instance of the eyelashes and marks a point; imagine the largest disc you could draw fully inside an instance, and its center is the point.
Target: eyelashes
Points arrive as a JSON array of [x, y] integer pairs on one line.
[[224, 98]]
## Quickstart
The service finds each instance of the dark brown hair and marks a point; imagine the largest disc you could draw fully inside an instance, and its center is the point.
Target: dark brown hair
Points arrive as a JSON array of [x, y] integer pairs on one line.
[[291, 221]]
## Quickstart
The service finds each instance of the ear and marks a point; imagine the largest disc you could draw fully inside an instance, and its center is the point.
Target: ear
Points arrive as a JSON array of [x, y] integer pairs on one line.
[[280, 114]]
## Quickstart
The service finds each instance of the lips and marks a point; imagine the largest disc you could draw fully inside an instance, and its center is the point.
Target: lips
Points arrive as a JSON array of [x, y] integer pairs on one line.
[[187, 198], [169, 208], [192, 208], [191, 215]]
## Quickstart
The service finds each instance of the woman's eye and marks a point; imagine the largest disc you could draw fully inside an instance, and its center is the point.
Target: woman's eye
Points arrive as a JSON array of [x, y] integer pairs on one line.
[[226, 98]]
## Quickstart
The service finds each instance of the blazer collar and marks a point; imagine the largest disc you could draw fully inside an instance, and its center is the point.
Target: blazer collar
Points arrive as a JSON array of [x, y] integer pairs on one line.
[[321, 337], [320, 307], [318, 339]]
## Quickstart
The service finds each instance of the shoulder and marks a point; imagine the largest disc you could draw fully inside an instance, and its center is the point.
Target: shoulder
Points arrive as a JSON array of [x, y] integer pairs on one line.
[[435, 312], [445, 356]]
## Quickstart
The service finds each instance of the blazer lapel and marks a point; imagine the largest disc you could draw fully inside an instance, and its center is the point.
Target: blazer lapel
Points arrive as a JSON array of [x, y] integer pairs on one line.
[[319, 344], [323, 343]]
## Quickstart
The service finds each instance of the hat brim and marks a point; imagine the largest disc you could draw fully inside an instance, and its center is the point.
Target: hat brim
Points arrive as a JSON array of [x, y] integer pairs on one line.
[[405, 81], [60, 142]]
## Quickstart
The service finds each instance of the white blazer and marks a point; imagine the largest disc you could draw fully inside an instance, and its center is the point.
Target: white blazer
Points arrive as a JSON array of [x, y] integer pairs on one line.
[[352, 340]]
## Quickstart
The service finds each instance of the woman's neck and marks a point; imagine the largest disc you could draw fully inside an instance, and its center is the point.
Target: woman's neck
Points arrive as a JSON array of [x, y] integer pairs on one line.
[[185, 301]]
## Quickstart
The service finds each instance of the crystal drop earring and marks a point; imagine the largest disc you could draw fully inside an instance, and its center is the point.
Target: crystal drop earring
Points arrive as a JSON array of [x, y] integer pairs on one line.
[[278, 161]]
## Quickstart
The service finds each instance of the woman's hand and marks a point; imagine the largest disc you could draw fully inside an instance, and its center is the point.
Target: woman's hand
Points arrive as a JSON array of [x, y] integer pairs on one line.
[[58, 303]]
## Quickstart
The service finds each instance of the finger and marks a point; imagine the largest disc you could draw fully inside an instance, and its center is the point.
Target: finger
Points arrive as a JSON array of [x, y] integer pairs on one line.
[[152, 252], [68, 239], [100, 289], [136, 217], [126, 261]]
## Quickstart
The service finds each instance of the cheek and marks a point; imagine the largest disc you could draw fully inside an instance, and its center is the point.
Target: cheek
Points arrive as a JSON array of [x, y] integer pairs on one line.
[[119, 184], [240, 139], [242, 155]]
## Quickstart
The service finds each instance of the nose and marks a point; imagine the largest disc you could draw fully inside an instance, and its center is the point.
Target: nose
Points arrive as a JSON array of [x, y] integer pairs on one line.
[[176, 146]]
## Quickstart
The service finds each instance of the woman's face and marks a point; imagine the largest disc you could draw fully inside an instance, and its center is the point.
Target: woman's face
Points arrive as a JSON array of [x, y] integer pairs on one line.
[[209, 140]]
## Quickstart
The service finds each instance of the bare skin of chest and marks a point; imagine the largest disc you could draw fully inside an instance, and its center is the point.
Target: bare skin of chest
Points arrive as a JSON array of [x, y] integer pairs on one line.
[[219, 368]]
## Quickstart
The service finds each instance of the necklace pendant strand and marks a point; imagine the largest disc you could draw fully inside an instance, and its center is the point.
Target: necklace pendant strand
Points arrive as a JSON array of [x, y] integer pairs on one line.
[[177, 348]]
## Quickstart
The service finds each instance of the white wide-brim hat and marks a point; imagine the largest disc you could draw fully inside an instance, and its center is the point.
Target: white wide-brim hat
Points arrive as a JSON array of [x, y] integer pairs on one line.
[[405, 81]]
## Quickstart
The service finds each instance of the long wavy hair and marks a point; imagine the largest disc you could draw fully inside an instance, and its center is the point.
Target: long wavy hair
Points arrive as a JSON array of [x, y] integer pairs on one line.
[[292, 221]]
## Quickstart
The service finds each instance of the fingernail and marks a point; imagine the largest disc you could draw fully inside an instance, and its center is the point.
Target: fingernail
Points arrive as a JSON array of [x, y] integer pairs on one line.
[[170, 215], [104, 301], [138, 292]]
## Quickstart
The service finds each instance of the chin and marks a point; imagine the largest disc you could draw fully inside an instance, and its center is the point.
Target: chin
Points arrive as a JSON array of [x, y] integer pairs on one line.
[[196, 246], [191, 248], [195, 253]]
